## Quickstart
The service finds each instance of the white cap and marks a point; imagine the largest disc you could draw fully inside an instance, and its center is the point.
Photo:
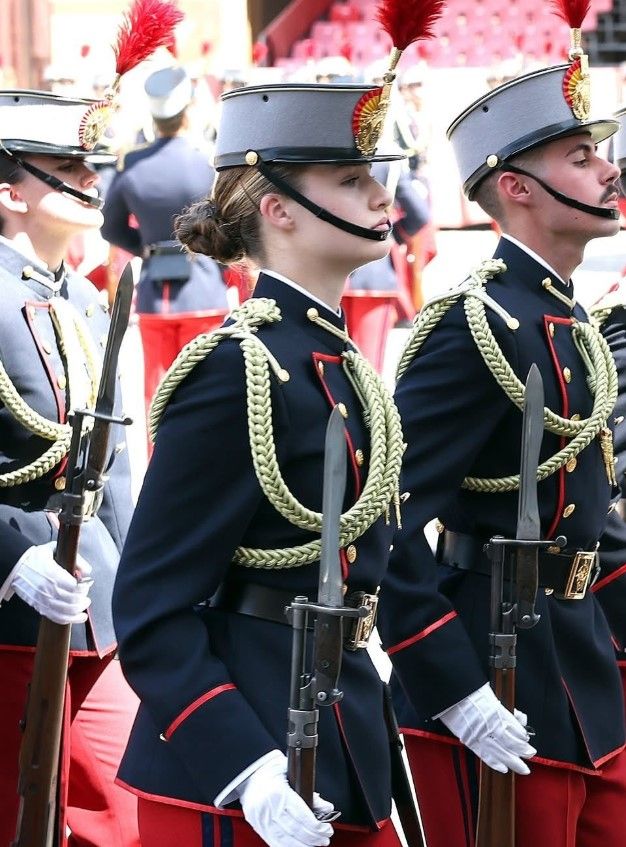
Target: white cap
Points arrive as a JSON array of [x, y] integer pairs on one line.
[[169, 92]]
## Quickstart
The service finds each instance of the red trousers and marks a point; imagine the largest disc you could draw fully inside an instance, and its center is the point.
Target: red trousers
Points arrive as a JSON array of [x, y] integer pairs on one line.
[[555, 807], [100, 709], [163, 825]]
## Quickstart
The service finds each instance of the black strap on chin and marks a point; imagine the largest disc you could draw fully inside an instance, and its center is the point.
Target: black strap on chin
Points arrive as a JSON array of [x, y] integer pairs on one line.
[[599, 211], [318, 211], [54, 182]]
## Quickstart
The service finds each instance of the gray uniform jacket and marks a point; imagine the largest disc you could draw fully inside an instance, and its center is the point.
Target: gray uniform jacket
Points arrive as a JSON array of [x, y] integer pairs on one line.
[[32, 358]]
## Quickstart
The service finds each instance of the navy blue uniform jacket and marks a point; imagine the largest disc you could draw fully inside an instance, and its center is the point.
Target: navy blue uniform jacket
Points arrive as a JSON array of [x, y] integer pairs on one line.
[[214, 686], [458, 422], [29, 352], [157, 182], [610, 588]]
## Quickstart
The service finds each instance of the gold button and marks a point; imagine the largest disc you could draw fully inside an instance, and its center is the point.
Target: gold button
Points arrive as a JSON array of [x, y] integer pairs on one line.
[[283, 375], [47, 348], [61, 382], [251, 157], [567, 375], [320, 367], [618, 419], [547, 282], [569, 510], [359, 458], [492, 160], [351, 554], [27, 271], [549, 591], [342, 410], [312, 313], [571, 465], [59, 483], [575, 417], [551, 329], [90, 310], [512, 323]]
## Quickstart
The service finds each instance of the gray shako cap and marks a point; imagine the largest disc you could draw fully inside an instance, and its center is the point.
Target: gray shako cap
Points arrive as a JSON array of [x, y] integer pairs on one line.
[[619, 143], [516, 116], [291, 123], [169, 91], [46, 124]]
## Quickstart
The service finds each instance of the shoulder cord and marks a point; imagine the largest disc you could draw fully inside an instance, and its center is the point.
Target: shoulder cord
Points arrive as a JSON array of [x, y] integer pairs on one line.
[[594, 351], [53, 431], [382, 419]]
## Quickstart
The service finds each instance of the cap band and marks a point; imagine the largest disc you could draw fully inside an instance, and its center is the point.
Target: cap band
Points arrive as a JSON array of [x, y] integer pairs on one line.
[[318, 211], [599, 211], [54, 182]]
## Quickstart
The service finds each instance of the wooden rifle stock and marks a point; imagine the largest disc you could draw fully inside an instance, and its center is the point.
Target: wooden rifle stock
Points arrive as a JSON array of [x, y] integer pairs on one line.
[[40, 748], [496, 801]]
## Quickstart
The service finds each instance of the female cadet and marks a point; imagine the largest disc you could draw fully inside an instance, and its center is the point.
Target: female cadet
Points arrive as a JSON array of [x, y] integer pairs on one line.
[[226, 530]]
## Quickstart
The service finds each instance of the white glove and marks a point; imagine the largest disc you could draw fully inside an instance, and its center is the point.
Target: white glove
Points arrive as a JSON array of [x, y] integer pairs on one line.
[[53, 592], [277, 813], [490, 731]]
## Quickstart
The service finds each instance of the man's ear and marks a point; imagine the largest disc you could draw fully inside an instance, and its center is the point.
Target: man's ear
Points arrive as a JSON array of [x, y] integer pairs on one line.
[[275, 209], [11, 199], [515, 187]]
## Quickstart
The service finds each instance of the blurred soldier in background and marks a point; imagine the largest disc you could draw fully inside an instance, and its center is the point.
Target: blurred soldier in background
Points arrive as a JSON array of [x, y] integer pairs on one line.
[[154, 184]]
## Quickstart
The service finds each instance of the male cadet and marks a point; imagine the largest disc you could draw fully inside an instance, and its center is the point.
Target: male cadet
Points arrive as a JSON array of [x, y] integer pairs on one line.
[[52, 332], [155, 184], [527, 154], [610, 315]]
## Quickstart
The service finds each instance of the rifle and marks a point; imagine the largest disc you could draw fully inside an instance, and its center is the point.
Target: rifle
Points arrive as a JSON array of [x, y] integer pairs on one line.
[[309, 690], [514, 562], [43, 722]]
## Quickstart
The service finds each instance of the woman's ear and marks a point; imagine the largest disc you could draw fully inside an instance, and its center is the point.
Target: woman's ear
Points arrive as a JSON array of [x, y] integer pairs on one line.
[[275, 208], [11, 200]]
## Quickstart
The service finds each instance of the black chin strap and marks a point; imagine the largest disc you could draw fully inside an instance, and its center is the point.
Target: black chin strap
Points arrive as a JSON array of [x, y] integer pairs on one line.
[[318, 211], [599, 211], [54, 182]]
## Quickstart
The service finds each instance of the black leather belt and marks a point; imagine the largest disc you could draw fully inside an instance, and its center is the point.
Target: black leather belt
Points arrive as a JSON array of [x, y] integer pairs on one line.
[[269, 604], [568, 575]]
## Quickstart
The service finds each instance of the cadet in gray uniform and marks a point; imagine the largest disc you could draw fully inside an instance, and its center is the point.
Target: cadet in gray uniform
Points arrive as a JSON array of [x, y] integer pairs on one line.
[[52, 331]]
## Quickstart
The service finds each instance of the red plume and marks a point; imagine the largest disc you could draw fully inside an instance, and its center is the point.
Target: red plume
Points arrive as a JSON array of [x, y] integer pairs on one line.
[[147, 25], [573, 12], [408, 20]]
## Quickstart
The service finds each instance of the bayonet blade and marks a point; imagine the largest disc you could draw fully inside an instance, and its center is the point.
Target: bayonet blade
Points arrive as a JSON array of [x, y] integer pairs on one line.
[[528, 525], [330, 592], [119, 321]]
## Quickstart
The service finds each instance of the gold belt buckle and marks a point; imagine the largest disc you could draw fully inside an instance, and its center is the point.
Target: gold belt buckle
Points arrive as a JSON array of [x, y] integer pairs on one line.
[[362, 627], [580, 575]]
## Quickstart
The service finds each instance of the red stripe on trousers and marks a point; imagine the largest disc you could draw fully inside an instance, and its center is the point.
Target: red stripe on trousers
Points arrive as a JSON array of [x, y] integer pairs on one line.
[[164, 825], [555, 807]]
